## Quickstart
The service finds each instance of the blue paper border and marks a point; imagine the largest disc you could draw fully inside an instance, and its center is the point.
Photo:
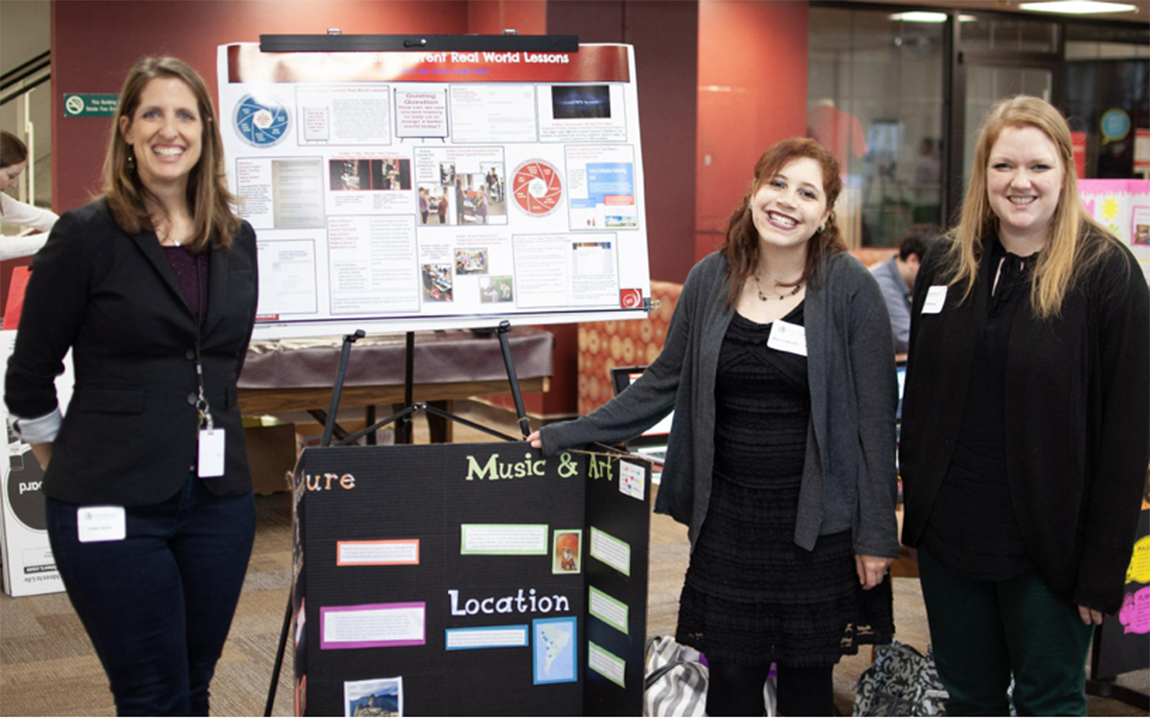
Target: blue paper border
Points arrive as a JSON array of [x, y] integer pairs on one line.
[[574, 622]]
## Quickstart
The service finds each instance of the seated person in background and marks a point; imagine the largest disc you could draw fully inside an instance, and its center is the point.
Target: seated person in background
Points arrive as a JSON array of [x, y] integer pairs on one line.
[[896, 278], [13, 160]]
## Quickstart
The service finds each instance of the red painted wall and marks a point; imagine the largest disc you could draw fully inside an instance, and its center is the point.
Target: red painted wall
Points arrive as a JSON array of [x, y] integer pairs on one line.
[[752, 93], [665, 33]]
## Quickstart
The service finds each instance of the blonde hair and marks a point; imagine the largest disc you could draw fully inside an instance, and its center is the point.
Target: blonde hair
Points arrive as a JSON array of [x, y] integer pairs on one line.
[[208, 198], [1076, 242]]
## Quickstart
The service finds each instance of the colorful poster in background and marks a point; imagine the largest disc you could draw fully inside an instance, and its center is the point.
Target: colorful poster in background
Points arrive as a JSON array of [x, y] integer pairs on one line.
[[1123, 207], [1122, 642]]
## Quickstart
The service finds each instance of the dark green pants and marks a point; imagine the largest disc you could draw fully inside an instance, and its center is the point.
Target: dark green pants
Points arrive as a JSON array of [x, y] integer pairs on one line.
[[983, 632]]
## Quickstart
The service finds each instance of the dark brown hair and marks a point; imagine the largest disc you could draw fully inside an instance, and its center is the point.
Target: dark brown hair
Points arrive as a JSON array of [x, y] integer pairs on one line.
[[13, 151], [741, 247], [208, 197]]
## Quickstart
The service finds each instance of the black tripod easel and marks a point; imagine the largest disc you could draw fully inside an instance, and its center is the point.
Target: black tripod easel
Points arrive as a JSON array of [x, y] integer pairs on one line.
[[403, 418]]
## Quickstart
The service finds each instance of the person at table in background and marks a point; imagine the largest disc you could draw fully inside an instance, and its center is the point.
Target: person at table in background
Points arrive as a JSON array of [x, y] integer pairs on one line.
[[13, 160], [153, 288], [896, 279], [1026, 424], [779, 368]]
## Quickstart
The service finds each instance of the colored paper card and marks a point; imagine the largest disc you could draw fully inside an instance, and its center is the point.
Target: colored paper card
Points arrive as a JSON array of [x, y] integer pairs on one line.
[[606, 664], [555, 643], [503, 540], [632, 480], [362, 626], [486, 637], [608, 609], [611, 551], [568, 552], [380, 697], [377, 552]]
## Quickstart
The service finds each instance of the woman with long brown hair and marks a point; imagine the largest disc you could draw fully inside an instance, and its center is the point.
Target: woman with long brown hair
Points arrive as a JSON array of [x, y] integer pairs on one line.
[[153, 288], [780, 370], [13, 160], [1026, 424]]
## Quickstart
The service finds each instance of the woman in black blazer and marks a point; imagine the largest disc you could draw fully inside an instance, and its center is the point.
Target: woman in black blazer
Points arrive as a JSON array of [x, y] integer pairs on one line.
[[1026, 424], [153, 288]]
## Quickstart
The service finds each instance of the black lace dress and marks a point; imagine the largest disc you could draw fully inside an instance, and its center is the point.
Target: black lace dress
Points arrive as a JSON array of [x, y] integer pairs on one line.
[[752, 596]]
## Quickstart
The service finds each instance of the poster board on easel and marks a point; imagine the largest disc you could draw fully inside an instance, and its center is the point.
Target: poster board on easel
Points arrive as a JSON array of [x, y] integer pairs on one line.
[[398, 191]]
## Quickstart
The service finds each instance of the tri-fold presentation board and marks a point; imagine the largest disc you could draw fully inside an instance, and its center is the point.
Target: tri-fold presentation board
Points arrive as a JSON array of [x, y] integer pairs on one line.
[[477, 579], [394, 191]]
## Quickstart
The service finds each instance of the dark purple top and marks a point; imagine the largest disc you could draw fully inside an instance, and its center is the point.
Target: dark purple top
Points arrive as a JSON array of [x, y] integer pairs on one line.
[[184, 263]]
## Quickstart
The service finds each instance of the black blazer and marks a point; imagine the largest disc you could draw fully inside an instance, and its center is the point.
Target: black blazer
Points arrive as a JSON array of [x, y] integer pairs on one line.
[[1077, 419], [129, 436]]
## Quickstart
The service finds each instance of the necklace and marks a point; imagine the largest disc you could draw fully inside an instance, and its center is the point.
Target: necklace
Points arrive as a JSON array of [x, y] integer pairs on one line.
[[764, 297]]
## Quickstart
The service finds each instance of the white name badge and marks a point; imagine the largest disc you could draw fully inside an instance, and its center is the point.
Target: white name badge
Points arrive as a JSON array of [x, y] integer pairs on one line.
[[788, 337], [211, 460], [101, 523], [935, 299]]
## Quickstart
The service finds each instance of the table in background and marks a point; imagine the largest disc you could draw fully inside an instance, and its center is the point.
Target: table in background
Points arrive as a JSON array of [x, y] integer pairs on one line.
[[297, 374]]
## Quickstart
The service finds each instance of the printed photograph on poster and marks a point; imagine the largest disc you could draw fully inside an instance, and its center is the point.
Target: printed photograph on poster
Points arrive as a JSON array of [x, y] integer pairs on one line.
[[493, 113], [471, 261], [437, 285], [498, 289], [349, 627], [434, 205], [343, 115], [582, 113], [580, 102], [1140, 226], [555, 641], [349, 174], [382, 697], [289, 290], [601, 187], [482, 638], [421, 112], [568, 552]]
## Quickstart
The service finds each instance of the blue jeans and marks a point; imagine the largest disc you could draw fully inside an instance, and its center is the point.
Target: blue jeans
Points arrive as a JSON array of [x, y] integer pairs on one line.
[[158, 604]]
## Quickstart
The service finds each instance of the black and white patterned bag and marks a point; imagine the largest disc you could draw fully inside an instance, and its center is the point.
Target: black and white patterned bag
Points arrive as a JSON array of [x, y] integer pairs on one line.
[[901, 682]]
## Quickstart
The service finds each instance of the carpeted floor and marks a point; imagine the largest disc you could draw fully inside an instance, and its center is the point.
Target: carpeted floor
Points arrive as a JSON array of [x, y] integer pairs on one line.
[[48, 667]]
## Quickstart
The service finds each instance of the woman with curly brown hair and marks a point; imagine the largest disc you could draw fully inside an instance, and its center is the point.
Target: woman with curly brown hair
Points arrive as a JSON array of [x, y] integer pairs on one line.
[[780, 370]]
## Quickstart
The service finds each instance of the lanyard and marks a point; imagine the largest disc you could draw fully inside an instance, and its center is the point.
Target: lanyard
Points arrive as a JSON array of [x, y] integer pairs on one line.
[[202, 406]]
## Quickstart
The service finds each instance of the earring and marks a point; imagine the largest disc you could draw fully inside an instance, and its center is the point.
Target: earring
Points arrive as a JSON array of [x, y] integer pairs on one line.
[[823, 227], [131, 161]]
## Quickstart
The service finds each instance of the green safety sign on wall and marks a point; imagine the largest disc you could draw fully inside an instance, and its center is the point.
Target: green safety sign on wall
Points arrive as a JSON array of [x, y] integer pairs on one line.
[[90, 104]]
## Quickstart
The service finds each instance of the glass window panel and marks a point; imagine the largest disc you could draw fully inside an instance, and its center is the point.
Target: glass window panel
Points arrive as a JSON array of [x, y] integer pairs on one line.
[[991, 32], [875, 101]]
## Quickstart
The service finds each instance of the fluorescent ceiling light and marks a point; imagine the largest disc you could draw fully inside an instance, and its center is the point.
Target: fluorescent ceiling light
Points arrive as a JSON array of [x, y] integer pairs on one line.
[[922, 16], [1077, 7]]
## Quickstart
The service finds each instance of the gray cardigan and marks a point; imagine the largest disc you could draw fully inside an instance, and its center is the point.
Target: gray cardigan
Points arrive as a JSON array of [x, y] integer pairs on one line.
[[849, 477]]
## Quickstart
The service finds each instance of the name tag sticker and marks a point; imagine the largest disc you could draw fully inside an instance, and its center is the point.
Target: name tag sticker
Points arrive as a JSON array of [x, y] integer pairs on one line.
[[101, 523], [935, 299], [788, 337], [211, 460]]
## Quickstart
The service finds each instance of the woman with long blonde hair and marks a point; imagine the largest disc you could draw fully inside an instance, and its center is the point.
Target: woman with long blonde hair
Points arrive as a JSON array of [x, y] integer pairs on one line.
[[1026, 424]]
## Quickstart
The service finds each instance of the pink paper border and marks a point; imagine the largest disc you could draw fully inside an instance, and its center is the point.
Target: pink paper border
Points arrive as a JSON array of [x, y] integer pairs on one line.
[[323, 611], [1094, 187]]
